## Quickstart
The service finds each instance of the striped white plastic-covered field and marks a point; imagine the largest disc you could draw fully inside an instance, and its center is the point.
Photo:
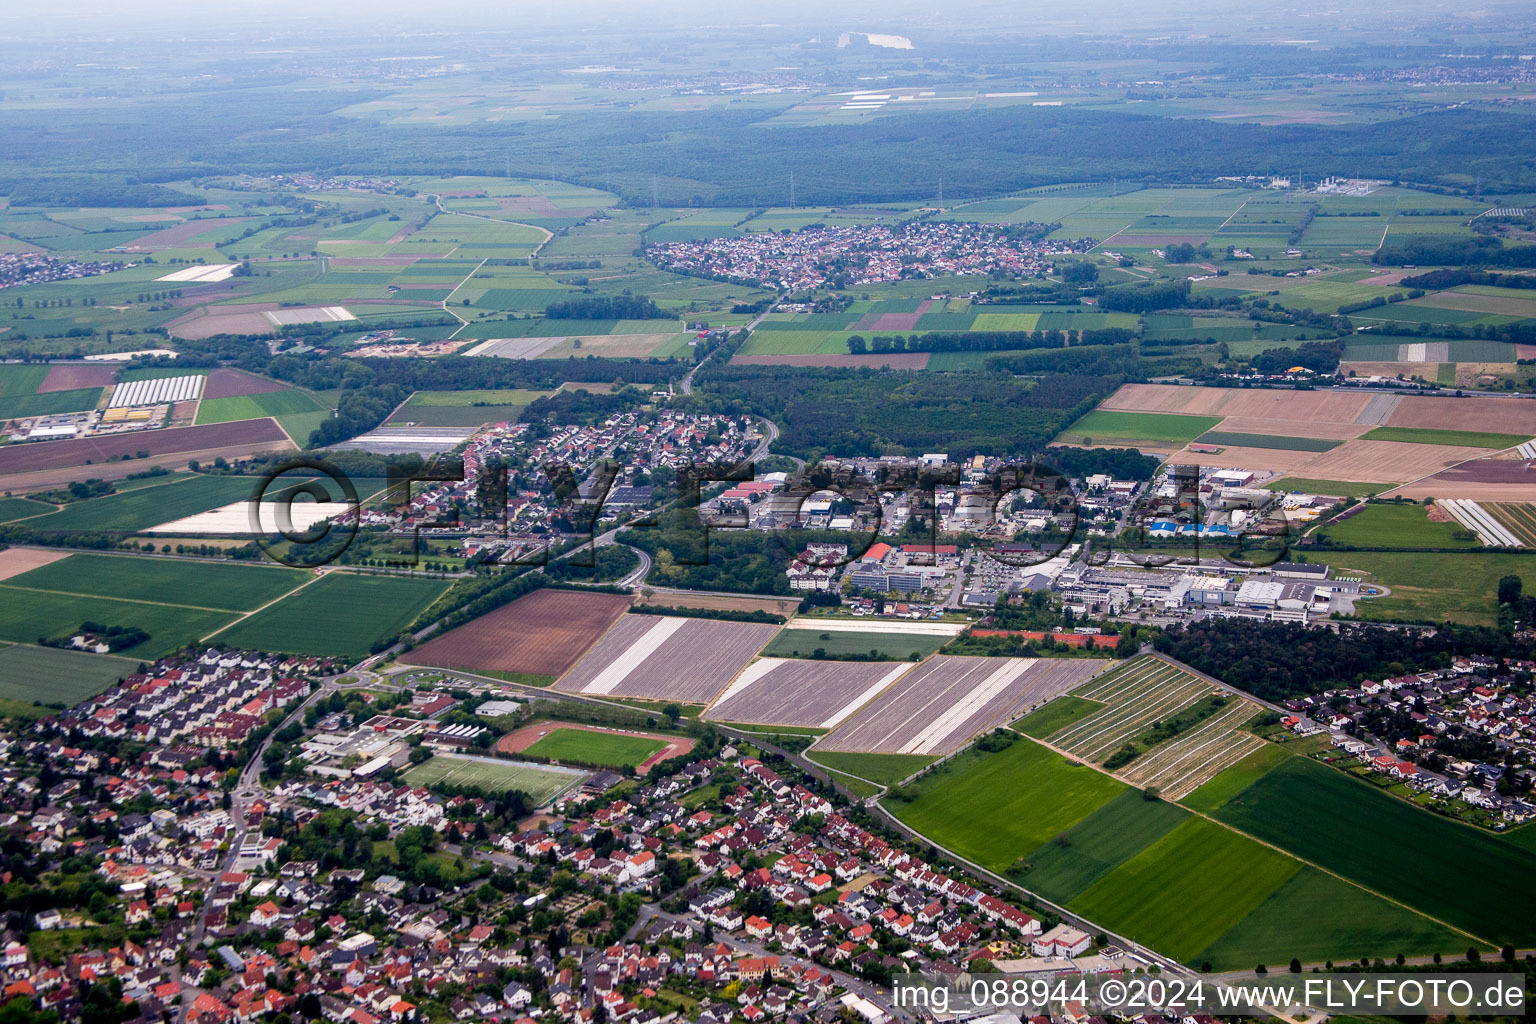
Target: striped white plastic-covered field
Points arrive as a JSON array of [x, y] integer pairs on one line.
[[1183, 764], [1527, 450], [156, 391], [815, 694], [941, 704], [1476, 518], [1137, 695], [664, 657]]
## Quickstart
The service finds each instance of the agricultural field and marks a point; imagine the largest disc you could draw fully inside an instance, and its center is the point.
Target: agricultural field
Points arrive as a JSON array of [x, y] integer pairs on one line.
[[225, 586], [54, 676], [883, 769], [662, 657], [1431, 586], [142, 504], [1332, 488], [463, 408], [941, 704], [1518, 518], [1348, 826], [586, 746], [820, 694], [1103, 426], [1135, 695], [1025, 793], [801, 643], [342, 614], [175, 602], [1151, 871], [1457, 438], [1395, 526], [1056, 715], [536, 638], [1289, 444], [297, 412], [187, 442], [540, 783]]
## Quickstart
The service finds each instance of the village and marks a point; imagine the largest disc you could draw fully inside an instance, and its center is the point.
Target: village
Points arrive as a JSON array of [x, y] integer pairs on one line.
[[849, 256], [218, 884]]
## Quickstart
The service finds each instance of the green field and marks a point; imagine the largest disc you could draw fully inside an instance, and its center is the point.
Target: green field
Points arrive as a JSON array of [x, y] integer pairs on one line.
[[1432, 586], [464, 408], [1459, 438], [792, 643], [27, 615], [1339, 488], [278, 404], [54, 676], [146, 506], [17, 379], [1057, 715], [1274, 441], [541, 784], [605, 749], [1233, 780], [1350, 827], [48, 403], [218, 585], [1103, 425], [1065, 866], [1025, 795], [886, 769], [1315, 917], [1197, 881], [1397, 526], [21, 508], [343, 614]]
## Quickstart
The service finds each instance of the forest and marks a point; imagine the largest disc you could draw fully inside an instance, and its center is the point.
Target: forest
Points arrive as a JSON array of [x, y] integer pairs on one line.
[[724, 157], [1276, 661], [892, 412]]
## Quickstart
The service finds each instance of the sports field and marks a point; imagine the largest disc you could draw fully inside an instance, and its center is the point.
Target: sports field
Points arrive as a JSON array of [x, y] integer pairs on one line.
[[343, 614], [541, 784], [54, 676], [584, 746], [802, 643], [1346, 825], [1103, 425]]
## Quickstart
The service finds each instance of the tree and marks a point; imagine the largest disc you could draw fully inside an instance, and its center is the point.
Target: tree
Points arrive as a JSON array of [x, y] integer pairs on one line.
[[1510, 588], [1295, 965]]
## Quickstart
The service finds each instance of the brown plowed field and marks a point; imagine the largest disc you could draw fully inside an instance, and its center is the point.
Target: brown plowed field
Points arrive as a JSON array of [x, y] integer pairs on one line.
[[1293, 428], [1290, 406], [27, 458], [895, 360], [1484, 479], [519, 740], [15, 561], [542, 634], [177, 237], [77, 375], [1375, 462], [722, 602], [234, 383], [1497, 415]]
